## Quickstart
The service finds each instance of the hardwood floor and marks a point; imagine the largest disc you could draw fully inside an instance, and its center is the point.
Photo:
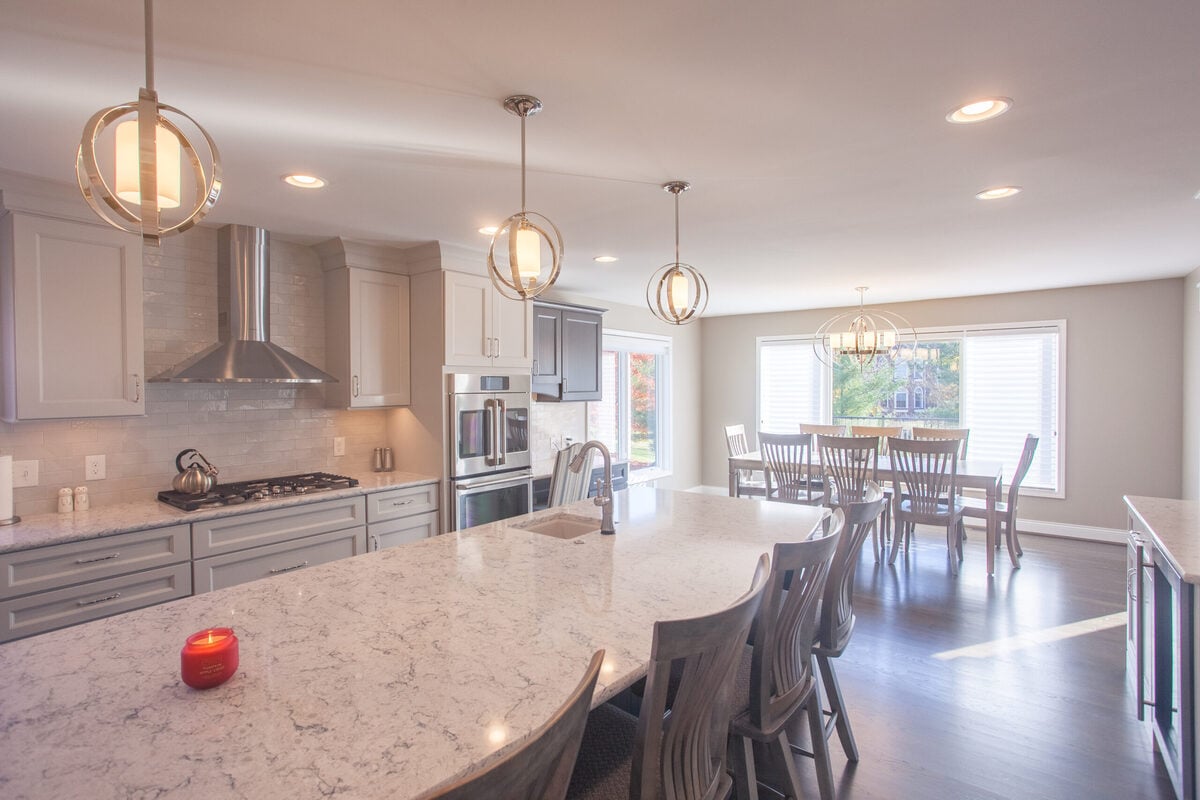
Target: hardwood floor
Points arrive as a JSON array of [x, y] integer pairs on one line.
[[962, 688]]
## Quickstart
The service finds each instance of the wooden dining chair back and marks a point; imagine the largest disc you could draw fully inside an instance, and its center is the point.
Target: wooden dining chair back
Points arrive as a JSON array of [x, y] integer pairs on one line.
[[567, 486], [925, 481], [881, 431], [1007, 511], [541, 767], [823, 430], [959, 435], [787, 462], [781, 679], [848, 463], [750, 482]]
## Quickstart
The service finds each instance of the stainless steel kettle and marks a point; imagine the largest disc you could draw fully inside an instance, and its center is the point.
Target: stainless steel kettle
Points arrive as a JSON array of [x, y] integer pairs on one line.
[[197, 476]]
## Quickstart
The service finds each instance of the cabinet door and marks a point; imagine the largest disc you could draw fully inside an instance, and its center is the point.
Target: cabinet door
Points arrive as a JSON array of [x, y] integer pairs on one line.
[[75, 295], [547, 367], [512, 327], [402, 531], [379, 339], [582, 340], [468, 320]]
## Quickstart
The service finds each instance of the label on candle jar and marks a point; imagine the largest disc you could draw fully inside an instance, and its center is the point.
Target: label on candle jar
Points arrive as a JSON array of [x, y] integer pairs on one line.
[[209, 658]]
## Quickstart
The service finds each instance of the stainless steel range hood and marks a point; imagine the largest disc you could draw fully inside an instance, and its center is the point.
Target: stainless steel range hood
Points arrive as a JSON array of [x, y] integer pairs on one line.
[[244, 353]]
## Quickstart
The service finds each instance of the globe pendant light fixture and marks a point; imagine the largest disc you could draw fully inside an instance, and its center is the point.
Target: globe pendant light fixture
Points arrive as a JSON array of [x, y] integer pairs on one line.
[[862, 334], [520, 274], [677, 293], [146, 171]]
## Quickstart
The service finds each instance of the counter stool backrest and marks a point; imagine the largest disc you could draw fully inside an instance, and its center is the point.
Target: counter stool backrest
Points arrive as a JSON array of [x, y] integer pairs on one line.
[[837, 607], [567, 486]]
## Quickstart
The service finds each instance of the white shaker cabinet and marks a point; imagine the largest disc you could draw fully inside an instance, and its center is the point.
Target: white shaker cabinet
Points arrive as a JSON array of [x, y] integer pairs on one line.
[[367, 338], [483, 327], [71, 311]]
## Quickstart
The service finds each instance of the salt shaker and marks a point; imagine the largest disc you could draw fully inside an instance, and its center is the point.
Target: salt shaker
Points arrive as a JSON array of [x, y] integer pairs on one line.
[[82, 503], [388, 464], [66, 503], [378, 461]]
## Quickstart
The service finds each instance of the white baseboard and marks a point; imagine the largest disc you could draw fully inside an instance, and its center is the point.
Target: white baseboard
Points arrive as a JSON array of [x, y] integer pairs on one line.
[[1066, 530]]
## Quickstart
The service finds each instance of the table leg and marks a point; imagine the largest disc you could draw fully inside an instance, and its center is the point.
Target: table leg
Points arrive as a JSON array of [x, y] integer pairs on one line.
[[733, 481], [993, 523]]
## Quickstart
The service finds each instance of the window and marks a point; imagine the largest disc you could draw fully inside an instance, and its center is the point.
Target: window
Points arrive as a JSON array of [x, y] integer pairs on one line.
[[633, 419], [1001, 381]]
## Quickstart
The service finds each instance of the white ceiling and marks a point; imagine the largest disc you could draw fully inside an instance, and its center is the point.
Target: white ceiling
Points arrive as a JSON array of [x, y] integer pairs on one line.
[[813, 132]]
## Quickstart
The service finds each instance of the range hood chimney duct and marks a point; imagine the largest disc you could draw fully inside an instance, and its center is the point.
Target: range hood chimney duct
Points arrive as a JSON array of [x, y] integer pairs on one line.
[[244, 352]]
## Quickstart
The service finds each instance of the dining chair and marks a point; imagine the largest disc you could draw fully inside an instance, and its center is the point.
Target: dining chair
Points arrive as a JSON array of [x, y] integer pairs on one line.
[[567, 486], [681, 755], [849, 464], [977, 507], [957, 434], [823, 430], [880, 431], [787, 462], [541, 767], [776, 681], [835, 625], [925, 480], [751, 483]]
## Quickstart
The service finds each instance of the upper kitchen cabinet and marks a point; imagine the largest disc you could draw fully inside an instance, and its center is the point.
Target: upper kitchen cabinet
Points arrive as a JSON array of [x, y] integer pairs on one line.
[[71, 315], [483, 327], [366, 326], [567, 342]]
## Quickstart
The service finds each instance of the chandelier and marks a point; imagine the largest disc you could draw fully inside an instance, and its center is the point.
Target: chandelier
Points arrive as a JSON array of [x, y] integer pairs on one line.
[[677, 293], [148, 150], [521, 235], [864, 334]]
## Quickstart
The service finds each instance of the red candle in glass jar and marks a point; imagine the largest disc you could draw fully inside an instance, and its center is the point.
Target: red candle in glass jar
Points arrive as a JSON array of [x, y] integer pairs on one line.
[[209, 658]]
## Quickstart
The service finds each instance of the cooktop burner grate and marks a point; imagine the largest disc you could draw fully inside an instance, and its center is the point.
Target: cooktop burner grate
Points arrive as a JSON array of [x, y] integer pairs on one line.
[[228, 494]]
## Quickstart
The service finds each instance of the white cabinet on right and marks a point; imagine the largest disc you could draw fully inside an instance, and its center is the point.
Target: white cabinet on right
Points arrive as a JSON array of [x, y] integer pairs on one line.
[[483, 327]]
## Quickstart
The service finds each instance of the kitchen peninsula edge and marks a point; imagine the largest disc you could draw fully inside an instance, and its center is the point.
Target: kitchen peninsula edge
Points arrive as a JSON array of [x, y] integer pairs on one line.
[[386, 674]]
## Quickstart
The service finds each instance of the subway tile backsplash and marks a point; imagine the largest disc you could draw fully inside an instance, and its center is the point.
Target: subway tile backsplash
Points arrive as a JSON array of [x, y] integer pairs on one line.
[[247, 430]]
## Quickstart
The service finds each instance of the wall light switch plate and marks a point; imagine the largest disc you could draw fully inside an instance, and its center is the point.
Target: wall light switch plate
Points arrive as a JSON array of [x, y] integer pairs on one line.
[[25, 473], [93, 468], [339, 445]]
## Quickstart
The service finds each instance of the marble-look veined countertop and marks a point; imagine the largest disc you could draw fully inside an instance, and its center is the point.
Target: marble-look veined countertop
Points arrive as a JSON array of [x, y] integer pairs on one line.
[[1174, 525], [382, 675], [46, 529]]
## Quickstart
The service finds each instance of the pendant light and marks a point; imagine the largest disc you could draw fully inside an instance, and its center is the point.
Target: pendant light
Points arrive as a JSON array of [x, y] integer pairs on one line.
[[521, 275], [677, 293], [863, 335], [146, 170]]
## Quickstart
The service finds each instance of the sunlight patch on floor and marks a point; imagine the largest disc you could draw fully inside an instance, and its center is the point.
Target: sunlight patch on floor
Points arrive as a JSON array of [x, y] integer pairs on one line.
[[1010, 644]]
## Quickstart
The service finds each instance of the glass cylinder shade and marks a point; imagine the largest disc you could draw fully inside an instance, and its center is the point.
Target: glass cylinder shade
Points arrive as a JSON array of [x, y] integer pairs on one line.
[[521, 271], [528, 254], [677, 293], [128, 165]]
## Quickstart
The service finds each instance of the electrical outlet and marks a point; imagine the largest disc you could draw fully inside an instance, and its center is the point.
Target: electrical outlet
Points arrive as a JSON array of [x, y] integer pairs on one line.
[[25, 473], [339, 445], [93, 468]]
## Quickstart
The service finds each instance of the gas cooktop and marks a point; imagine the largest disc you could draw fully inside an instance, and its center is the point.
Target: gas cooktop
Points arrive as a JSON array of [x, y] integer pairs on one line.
[[229, 494]]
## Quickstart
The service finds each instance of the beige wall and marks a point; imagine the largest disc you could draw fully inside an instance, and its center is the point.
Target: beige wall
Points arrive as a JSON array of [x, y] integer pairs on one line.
[[685, 385], [1124, 390], [1191, 386]]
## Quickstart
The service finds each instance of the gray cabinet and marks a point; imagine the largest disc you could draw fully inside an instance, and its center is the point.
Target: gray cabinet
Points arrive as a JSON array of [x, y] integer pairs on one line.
[[398, 516], [567, 346], [70, 320]]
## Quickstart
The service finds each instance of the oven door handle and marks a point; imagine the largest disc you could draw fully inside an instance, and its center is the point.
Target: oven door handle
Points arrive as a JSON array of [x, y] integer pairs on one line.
[[508, 479], [501, 432], [489, 456]]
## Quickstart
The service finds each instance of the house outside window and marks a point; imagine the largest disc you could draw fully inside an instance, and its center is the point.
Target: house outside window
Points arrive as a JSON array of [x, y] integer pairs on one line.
[[633, 418]]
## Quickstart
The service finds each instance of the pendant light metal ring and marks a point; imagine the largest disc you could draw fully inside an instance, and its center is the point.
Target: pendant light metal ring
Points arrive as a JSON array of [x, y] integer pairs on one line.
[[504, 236], [661, 301]]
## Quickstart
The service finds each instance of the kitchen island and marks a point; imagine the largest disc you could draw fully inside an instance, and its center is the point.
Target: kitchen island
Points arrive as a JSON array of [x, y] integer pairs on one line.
[[381, 675]]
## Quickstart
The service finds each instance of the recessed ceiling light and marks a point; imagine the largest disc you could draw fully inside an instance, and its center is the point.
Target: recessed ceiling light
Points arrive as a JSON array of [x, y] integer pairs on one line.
[[998, 192], [979, 110], [489, 230], [304, 181], [605, 259]]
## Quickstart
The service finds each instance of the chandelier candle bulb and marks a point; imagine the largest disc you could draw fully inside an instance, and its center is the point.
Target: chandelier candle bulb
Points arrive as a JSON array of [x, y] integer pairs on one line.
[[209, 658]]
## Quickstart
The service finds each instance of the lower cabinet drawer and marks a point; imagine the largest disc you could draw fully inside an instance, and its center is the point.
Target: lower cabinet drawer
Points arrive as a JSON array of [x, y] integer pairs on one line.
[[231, 569], [402, 531], [403, 502], [47, 611], [233, 534]]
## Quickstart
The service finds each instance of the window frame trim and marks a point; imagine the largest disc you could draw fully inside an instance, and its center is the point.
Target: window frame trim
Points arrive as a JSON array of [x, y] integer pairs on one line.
[[663, 397]]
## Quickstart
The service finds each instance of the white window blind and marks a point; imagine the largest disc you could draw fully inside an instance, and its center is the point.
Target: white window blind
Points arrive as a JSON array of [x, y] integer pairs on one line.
[[792, 385], [1010, 388]]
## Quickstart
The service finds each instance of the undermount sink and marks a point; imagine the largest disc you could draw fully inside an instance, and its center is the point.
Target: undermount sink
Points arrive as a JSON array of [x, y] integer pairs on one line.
[[562, 526]]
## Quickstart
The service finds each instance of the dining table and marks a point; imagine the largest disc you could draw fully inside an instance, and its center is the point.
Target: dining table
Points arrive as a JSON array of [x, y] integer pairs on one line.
[[984, 475]]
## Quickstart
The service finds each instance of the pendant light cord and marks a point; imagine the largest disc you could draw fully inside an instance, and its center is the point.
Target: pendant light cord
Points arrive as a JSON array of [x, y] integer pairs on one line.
[[150, 45], [522, 160], [676, 227]]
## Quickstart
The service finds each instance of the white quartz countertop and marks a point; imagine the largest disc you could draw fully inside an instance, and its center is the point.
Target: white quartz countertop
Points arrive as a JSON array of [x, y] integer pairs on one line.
[[1174, 525], [45, 529], [382, 675]]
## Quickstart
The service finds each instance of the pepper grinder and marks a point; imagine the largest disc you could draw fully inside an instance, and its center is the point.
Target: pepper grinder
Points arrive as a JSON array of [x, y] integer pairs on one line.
[[377, 462], [388, 464]]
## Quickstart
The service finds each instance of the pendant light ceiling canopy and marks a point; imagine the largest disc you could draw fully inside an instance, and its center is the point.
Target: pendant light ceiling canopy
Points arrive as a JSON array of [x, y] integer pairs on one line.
[[521, 273], [144, 175], [863, 334], [677, 293]]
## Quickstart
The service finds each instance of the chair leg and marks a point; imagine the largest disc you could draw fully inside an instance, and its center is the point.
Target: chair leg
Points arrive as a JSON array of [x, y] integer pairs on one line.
[[741, 758], [1010, 529], [951, 537], [1014, 548], [898, 536], [785, 764], [837, 705], [816, 729]]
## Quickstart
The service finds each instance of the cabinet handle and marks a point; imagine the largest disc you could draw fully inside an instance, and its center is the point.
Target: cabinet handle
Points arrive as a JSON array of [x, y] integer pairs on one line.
[[487, 348], [108, 557], [137, 388], [535, 367], [396, 503], [374, 543], [354, 386], [495, 348], [301, 565], [112, 596]]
